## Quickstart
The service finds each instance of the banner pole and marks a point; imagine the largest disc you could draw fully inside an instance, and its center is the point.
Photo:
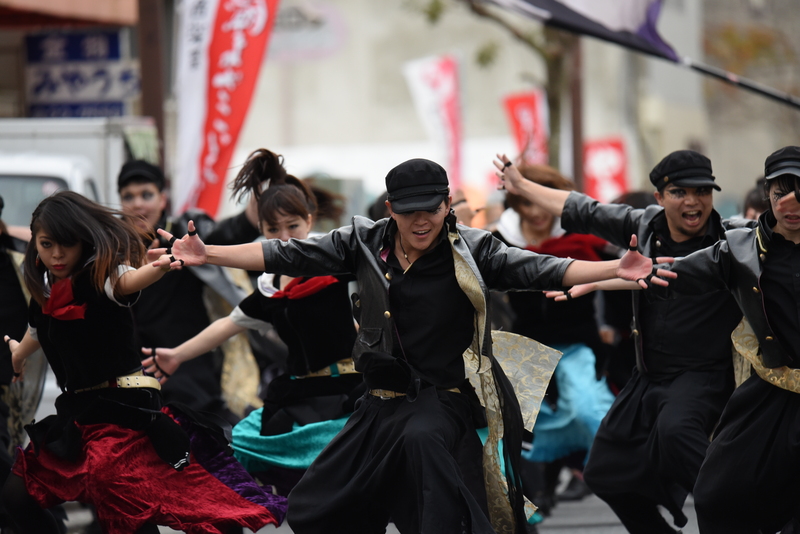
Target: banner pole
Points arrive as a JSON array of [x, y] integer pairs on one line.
[[744, 83]]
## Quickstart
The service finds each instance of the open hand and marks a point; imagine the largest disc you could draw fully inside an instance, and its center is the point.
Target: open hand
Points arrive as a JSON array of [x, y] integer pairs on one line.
[[634, 266], [188, 250], [508, 173]]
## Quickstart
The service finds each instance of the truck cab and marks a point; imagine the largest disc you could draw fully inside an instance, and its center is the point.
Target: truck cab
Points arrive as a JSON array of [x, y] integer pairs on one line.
[[27, 178]]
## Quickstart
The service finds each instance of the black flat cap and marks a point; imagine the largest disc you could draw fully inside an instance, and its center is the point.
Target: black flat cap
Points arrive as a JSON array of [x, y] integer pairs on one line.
[[417, 185], [783, 161], [686, 168]]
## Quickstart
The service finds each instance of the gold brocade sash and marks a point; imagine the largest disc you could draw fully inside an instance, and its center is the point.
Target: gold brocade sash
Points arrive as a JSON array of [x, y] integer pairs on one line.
[[528, 365], [240, 374], [746, 344]]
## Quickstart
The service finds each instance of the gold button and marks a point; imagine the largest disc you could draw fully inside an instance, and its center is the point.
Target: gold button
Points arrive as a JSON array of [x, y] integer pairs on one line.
[[762, 256], [666, 179], [388, 276], [769, 338], [387, 314], [658, 244], [358, 303], [635, 332], [755, 290]]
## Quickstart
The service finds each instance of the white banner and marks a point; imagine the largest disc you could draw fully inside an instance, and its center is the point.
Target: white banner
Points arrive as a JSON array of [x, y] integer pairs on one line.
[[194, 35], [435, 89]]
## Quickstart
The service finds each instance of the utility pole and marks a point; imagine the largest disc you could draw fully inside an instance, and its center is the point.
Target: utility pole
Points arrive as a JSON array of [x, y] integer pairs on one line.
[[576, 101], [151, 65]]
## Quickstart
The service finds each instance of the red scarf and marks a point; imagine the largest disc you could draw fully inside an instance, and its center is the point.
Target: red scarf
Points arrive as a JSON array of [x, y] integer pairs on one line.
[[575, 246], [61, 304], [302, 287]]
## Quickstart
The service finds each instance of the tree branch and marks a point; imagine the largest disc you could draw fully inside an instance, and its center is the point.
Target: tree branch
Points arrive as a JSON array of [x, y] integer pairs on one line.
[[518, 34]]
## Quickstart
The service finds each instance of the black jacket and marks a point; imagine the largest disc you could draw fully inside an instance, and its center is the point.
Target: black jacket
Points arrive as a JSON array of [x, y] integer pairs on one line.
[[616, 223], [736, 264]]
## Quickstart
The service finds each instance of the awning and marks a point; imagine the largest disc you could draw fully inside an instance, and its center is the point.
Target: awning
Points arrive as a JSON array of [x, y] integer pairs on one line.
[[44, 13]]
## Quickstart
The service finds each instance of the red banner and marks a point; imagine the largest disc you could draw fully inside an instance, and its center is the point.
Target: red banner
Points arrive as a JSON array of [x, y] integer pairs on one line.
[[436, 91], [605, 168], [528, 115], [235, 53]]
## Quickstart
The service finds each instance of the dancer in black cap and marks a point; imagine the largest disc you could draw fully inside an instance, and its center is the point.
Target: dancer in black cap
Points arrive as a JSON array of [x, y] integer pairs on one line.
[[652, 442], [748, 482], [410, 452]]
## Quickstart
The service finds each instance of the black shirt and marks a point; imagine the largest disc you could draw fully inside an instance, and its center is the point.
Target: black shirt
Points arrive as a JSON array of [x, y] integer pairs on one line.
[[780, 283], [433, 316], [86, 351], [691, 332], [318, 329]]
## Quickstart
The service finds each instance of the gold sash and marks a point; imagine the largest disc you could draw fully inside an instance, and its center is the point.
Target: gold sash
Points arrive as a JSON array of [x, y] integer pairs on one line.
[[746, 344], [528, 365]]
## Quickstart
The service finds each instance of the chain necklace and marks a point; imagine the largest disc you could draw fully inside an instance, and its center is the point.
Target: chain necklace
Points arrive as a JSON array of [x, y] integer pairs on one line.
[[410, 263]]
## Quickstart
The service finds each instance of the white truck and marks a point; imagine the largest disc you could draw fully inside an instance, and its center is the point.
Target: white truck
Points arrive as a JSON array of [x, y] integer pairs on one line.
[[41, 156]]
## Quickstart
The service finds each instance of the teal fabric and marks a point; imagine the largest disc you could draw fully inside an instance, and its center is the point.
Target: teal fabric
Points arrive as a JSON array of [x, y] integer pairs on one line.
[[293, 450], [582, 403]]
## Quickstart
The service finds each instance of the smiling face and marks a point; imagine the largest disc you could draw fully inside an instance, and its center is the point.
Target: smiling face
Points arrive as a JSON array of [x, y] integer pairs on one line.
[[144, 203], [286, 227], [419, 230], [539, 220], [786, 209], [687, 210], [60, 260]]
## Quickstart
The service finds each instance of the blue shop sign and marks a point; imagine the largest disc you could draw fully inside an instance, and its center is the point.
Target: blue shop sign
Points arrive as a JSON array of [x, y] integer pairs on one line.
[[61, 47]]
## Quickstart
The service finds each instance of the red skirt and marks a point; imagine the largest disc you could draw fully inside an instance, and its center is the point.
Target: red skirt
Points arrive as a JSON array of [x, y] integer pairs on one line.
[[120, 473]]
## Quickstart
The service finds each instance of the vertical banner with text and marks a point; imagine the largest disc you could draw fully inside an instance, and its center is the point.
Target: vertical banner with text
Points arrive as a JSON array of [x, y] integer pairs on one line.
[[435, 88], [605, 168], [528, 115], [220, 51]]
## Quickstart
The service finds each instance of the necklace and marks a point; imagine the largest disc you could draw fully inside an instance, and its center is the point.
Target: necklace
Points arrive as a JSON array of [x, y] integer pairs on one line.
[[410, 263]]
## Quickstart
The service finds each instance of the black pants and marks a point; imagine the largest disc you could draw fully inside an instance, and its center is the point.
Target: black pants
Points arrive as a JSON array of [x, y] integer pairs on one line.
[[750, 480], [651, 444], [415, 463]]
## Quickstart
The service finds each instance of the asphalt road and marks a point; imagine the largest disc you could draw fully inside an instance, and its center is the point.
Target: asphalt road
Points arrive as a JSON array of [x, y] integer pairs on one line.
[[589, 516]]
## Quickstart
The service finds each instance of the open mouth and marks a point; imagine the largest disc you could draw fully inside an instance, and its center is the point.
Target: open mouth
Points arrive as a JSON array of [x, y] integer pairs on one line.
[[692, 217], [421, 233]]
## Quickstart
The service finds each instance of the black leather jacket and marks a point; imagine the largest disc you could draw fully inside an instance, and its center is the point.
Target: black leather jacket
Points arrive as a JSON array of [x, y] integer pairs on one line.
[[735, 264], [615, 223], [358, 249]]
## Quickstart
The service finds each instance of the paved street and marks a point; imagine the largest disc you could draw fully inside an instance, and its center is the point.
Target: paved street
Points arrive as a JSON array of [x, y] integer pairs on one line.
[[590, 516], [593, 516]]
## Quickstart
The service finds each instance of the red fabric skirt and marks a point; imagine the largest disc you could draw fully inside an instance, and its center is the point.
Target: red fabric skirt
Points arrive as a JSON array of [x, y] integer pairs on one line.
[[120, 474]]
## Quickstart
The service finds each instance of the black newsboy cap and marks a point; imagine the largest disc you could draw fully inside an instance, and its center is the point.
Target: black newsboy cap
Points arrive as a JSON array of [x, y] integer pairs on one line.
[[783, 161], [686, 168], [416, 185], [140, 171]]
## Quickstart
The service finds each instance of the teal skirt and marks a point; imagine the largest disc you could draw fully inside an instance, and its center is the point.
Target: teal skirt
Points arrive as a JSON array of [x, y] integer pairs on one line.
[[292, 450]]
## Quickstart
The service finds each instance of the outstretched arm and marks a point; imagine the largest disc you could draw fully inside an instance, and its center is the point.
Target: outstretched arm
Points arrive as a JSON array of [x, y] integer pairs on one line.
[[191, 249], [20, 352], [550, 200], [615, 284], [137, 279], [632, 266], [163, 362]]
